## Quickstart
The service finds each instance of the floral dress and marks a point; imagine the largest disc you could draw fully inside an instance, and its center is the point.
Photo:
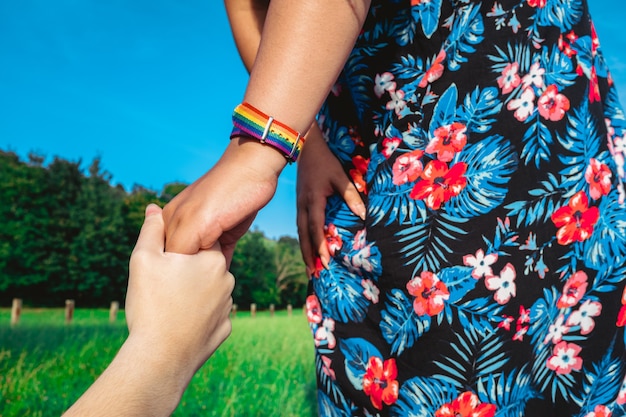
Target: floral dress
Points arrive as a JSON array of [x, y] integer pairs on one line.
[[487, 279]]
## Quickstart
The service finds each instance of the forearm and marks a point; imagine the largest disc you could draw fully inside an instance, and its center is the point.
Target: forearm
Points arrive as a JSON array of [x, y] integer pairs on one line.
[[247, 18], [138, 382]]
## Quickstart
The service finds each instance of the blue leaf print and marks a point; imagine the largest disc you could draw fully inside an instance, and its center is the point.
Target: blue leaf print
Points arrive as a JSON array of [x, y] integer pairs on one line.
[[513, 53], [425, 243], [490, 164], [509, 393], [404, 27], [458, 280], [409, 67], [477, 313], [357, 352], [614, 112], [392, 202], [329, 409], [329, 385], [608, 240], [422, 397], [339, 141], [563, 14], [428, 12], [542, 314], [445, 110], [601, 383], [479, 109], [559, 68], [400, 326], [541, 205], [537, 141], [340, 293], [582, 143], [467, 31]]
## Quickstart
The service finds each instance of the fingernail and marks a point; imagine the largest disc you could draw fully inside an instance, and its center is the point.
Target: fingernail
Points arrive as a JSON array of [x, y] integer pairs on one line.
[[151, 209]]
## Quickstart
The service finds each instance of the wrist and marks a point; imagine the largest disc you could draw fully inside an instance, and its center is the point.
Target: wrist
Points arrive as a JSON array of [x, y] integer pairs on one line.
[[261, 157]]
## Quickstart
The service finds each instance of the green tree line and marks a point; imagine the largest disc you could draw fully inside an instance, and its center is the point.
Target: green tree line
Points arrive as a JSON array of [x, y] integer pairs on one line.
[[67, 233]]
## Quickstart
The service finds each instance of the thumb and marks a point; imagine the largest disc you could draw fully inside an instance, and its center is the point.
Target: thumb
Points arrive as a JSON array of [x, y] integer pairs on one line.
[[152, 234]]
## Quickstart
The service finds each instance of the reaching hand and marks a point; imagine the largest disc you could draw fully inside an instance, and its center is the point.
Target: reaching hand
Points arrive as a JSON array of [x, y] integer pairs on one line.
[[221, 205], [179, 304], [320, 175]]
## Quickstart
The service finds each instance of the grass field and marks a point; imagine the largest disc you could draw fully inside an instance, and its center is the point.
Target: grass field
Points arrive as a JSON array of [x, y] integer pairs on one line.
[[264, 369]]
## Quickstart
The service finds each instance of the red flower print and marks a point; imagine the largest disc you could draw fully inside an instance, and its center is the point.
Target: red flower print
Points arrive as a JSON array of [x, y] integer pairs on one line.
[[313, 309], [552, 105], [390, 145], [466, 405], [594, 88], [537, 3], [565, 358], [576, 220], [439, 184], [573, 290], [407, 167], [448, 140], [598, 176], [509, 78], [333, 240], [600, 411], [429, 292], [434, 72], [357, 174], [621, 317], [379, 381]]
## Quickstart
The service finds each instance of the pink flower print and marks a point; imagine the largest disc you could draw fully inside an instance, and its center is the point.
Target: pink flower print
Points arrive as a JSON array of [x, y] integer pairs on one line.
[[573, 290], [434, 72], [313, 309], [583, 317], [520, 333], [397, 102], [480, 263], [537, 3], [506, 323], [390, 145], [509, 78], [621, 395], [448, 140], [429, 292], [556, 330], [598, 176], [370, 291], [503, 285], [384, 82], [325, 332], [534, 76], [600, 411], [524, 315], [523, 106], [407, 167], [565, 358], [552, 105], [360, 239], [333, 240], [327, 367]]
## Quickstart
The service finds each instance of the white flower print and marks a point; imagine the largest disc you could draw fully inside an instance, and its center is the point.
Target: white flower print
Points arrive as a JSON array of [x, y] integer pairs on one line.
[[583, 317], [523, 106], [325, 332], [370, 291], [556, 330], [534, 76], [480, 263], [384, 82], [360, 239], [397, 102], [503, 285]]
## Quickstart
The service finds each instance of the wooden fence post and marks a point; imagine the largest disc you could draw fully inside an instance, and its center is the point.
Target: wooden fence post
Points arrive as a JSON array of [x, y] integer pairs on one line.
[[233, 311], [272, 310], [69, 311], [16, 310], [115, 307], [253, 310], [289, 310]]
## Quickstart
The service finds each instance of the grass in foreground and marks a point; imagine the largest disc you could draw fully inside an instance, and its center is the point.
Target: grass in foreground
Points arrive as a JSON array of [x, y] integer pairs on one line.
[[264, 369]]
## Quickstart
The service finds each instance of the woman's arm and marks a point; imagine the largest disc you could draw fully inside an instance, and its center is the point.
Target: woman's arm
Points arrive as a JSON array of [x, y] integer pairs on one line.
[[303, 48], [247, 18]]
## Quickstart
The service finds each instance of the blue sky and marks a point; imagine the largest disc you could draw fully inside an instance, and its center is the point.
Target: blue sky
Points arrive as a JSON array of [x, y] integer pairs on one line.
[[149, 86]]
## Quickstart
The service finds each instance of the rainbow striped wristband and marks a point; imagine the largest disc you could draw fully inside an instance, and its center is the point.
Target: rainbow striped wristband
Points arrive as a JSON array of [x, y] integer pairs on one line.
[[250, 122]]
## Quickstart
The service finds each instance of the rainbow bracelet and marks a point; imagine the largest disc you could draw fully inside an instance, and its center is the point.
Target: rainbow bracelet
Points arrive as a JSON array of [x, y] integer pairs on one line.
[[252, 123]]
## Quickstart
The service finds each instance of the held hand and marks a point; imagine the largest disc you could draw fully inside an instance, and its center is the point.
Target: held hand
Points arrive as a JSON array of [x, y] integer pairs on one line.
[[221, 205], [320, 175], [177, 305]]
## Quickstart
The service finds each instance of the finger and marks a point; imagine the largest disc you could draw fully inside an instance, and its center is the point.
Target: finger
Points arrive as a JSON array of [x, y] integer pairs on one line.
[[305, 238], [184, 239], [152, 235], [350, 195], [317, 217]]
